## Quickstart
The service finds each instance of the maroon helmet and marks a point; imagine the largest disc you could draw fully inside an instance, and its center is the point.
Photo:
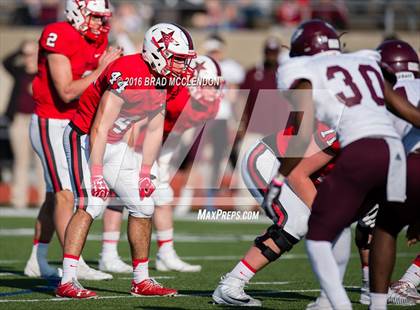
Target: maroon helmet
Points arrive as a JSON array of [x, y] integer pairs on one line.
[[399, 56], [312, 37]]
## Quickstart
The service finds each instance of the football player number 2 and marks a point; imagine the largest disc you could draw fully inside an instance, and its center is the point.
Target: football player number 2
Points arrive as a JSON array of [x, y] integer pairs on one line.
[[52, 37], [367, 72]]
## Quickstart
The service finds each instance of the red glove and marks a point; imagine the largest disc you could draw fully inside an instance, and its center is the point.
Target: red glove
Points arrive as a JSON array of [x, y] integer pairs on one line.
[[99, 188], [146, 187]]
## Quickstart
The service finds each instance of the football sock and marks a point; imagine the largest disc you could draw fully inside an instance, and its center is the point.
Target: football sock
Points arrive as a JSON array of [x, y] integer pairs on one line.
[[243, 271], [165, 240], [328, 273], [70, 263], [378, 301], [341, 251], [365, 273], [109, 244], [42, 251], [141, 270], [412, 274]]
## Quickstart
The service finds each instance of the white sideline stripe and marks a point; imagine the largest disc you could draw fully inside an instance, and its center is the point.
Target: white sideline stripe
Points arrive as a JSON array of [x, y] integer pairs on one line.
[[221, 258], [154, 277], [25, 232], [189, 217], [270, 283], [177, 296]]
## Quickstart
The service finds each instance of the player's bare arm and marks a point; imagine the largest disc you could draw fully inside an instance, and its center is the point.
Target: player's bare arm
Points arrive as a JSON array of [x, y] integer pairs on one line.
[[153, 139], [301, 98], [299, 178], [108, 111], [60, 69], [400, 106]]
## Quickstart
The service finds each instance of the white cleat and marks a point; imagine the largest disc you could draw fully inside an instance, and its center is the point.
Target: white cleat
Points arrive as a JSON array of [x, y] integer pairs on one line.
[[365, 294], [114, 264], [403, 293], [36, 268], [84, 272], [231, 292], [171, 262], [321, 303]]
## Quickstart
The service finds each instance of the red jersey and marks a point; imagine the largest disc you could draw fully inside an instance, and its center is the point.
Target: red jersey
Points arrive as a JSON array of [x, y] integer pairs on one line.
[[324, 137], [185, 113], [63, 38], [128, 77], [182, 113]]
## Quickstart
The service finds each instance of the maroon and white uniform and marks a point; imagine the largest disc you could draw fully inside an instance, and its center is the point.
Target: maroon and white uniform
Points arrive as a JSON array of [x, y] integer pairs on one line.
[[409, 88], [348, 97], [127, 78], [261, 164], [51, 113]]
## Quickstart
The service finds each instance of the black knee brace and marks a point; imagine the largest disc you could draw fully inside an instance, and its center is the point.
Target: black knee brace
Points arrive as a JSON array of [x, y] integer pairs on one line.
[[281, 238], [362, 237]]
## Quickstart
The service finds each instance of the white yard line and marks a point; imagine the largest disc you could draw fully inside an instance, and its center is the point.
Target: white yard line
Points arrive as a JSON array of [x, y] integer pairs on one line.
[[190, 217], [129, 296], [219, 258], [28, 232], [269, 283]]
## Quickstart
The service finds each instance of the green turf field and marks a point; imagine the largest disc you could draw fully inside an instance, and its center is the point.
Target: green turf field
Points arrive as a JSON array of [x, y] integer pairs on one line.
[[286, 284]]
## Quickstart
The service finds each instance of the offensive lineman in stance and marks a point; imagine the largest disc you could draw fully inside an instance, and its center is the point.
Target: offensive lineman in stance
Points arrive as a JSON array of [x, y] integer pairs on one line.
[[119, 98]]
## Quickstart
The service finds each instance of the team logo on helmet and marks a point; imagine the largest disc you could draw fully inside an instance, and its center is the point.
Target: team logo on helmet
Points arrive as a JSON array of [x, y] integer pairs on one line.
[[399, 58], [313, 37], [168, 49]]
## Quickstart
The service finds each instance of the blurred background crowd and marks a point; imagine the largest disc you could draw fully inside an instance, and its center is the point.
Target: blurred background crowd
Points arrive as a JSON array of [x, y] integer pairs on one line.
[[224, 29], [229, 14]]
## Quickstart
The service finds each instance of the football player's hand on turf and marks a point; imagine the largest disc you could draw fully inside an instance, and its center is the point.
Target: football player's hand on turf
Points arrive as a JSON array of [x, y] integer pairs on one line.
[[111, 54], [271, 203], [413, 233], [146, 186], [99, 188]]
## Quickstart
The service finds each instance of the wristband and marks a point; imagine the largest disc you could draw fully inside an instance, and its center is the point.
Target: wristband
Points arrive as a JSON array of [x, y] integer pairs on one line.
[[96, 170]]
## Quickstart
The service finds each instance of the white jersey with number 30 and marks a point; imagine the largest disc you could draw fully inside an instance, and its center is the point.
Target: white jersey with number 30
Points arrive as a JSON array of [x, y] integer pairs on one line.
[[347, 91]]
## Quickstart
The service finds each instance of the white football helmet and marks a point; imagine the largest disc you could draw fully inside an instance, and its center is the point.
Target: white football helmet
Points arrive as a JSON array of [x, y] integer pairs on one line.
[[207, 82], [166, 45], [79, 13]]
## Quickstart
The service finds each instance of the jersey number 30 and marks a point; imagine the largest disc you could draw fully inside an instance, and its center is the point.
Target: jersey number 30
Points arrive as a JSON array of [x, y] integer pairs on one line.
[[348, 81]]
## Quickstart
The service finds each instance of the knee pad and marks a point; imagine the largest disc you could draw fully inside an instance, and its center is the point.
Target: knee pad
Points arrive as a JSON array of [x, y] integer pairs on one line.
[[118, 208], [163, 195], [281, 238], [362, 236], [145, 210], [94, 210]]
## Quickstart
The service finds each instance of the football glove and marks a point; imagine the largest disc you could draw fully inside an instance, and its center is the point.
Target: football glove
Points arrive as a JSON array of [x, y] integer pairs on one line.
[[146, 186], [271, 199], [99, 188]]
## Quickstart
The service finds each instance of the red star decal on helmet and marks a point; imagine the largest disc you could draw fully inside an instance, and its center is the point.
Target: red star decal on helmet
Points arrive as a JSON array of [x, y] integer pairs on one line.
[[166, 38], [199, 66]]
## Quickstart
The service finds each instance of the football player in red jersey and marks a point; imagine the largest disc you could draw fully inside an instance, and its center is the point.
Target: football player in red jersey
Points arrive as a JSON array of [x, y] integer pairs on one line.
[[128, 91], [71, 56], [192, 107], [364, 130], [258, 167]]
